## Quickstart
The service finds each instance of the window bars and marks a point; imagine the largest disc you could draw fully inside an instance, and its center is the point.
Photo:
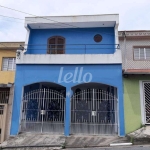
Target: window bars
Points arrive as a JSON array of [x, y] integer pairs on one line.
[[4, 97]]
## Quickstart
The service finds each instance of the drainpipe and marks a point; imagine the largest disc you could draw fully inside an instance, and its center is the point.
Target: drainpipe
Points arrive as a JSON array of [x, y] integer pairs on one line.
[[27, 38]]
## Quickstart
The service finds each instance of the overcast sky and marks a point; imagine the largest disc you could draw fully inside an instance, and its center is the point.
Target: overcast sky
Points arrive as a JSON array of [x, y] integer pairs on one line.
[[133, 14]]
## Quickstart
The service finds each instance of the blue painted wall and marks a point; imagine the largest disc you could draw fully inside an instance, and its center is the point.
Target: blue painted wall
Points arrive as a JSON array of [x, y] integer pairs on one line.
[[28, 74], [39, 37]]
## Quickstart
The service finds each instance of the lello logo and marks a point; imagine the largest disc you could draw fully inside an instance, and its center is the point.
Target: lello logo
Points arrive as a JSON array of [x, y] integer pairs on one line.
[[76, 77]]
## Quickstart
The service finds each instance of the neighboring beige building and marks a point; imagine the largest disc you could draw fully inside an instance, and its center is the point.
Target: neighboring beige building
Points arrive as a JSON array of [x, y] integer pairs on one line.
[[135, 46], [7, 75]]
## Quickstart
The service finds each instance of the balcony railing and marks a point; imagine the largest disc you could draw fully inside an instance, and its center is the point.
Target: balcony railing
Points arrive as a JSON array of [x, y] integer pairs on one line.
[[70, 54], [72, 48]]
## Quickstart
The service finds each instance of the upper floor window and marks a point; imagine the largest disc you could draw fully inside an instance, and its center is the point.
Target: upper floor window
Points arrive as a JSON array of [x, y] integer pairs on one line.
[[9, 64], [56, 45], [141, 53]]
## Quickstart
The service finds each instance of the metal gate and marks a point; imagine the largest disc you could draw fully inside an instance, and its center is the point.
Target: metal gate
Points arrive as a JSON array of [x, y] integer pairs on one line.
[[43, 111], [146, 86], [4, 98], [94, 111]]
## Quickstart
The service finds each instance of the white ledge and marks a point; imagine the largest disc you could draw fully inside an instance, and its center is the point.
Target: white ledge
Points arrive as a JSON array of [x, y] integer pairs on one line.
[[115, 58]]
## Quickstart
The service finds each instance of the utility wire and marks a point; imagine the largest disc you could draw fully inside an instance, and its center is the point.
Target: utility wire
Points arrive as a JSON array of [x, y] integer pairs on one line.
[[37, 16], [55, 25], [49, 19]]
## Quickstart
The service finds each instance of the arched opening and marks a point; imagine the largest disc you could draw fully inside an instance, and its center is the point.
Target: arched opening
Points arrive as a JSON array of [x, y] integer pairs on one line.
[[43, 108], [94, 109], [56, 45]]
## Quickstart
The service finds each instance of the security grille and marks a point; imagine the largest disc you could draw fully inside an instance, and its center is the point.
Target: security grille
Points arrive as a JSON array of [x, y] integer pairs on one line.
[[4, 98], [147, 101], [1, 121], [94, 111], [3, 111], [43, 111]]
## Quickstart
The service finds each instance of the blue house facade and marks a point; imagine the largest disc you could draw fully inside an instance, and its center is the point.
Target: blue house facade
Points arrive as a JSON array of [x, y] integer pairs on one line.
[[69, 77]]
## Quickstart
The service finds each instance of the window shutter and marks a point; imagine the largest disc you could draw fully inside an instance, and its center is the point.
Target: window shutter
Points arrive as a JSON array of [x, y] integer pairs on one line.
[[147, 53], [14, 64], [5, 64], [136, 54], [60, 46], [142, 54], [52, 45], [10, 64], [56, 45]]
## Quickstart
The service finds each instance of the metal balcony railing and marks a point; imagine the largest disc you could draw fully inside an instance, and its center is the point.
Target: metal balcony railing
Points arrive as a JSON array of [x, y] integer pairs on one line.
[[71, 48]]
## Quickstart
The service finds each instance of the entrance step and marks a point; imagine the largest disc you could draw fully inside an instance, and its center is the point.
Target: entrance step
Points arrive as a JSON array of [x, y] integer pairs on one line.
[[34, 140], [140, 136], [48, 141], [93, 141]]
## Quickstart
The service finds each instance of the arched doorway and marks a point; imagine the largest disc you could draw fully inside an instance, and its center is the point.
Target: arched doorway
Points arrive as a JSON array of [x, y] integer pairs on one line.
[[94, 109], [43, 108]]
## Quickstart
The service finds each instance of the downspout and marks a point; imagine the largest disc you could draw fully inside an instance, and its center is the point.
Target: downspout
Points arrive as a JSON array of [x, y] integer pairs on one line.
[[27, 38], [116, 37]]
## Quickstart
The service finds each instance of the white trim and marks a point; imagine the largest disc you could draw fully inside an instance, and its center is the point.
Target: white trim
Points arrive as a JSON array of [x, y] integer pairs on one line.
[[115, 58], [116, 35], [142, 102], [82, 21], [27, 39]]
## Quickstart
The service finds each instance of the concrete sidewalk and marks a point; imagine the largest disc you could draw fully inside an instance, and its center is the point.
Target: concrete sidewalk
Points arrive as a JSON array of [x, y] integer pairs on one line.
[[34, 140], [92, 141], [59, 141]]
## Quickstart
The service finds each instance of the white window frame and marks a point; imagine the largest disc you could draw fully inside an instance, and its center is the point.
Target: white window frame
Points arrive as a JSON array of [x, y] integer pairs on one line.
[[139, 56], [12, 67]]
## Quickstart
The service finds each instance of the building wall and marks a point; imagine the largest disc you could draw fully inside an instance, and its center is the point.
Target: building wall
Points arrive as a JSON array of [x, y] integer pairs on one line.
[[6, 76], [9, 113], [28, 74], [132, 106], [128, 56], [38, 40]]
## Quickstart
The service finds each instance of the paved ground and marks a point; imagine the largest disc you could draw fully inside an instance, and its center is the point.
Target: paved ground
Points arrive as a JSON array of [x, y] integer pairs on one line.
[[30, 139], [92, 141]]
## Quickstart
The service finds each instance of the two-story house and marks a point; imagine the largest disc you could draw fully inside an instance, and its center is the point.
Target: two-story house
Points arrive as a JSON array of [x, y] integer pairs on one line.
[[69, 77], [7, 74], [135, 47]]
